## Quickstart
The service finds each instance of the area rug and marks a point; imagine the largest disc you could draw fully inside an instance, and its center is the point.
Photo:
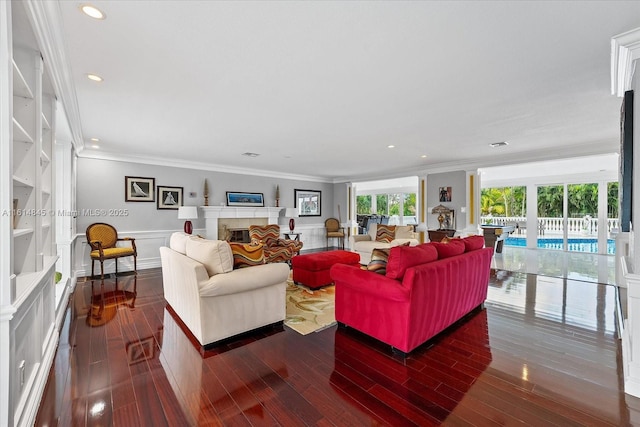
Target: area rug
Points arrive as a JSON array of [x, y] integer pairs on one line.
[[310, 311]]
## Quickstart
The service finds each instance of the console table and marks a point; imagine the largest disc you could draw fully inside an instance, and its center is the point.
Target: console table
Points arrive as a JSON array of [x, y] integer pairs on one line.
[[439, 234]]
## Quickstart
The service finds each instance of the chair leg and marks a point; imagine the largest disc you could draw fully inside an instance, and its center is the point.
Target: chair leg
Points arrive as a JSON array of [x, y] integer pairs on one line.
[[101, 269], [116, 261], [93, 263], [135, 264]]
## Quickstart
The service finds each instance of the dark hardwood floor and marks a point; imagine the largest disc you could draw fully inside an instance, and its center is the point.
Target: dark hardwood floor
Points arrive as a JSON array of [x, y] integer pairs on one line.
[[543, 352]]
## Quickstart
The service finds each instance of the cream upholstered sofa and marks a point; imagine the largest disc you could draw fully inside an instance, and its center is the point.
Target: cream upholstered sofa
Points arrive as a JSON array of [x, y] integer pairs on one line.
[[364, 244], [214, 300]]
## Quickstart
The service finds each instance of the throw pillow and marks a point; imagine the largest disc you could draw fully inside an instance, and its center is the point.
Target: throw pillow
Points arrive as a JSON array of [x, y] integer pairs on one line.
[[378, 263], [449, 249], [430, 248], [246, 255], [404, 232], [403, 257], [385, 233], [215, 255], [473, 243]]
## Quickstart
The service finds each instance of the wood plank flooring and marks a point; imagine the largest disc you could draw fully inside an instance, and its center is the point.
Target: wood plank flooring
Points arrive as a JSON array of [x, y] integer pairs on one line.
[[543, 352]]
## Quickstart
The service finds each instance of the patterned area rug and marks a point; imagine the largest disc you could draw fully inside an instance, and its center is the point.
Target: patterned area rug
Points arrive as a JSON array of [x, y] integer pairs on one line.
[[310, 311]]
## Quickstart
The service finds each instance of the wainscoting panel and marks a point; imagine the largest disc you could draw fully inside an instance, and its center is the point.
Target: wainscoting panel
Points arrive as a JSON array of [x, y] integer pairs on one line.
[[148, 244]]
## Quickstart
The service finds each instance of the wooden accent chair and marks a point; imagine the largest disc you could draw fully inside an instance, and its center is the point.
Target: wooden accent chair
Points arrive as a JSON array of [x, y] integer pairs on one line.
[[103, 238], [334, 231], [275, 248]]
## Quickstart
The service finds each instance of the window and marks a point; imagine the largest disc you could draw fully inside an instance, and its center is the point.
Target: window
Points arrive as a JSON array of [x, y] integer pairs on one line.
[[363, 205], [382, 204], [504, 201]]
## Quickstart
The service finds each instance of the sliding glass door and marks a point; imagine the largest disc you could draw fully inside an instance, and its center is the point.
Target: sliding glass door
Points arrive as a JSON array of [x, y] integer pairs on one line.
[[551, 218]]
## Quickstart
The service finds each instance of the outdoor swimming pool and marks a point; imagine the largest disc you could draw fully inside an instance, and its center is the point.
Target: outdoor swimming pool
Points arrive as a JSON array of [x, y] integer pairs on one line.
[[576, 245]]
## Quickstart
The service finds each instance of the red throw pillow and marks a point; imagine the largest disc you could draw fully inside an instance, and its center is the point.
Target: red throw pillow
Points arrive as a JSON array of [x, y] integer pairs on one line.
[[473, 243], [403, 257], [449, 249], [431, 249]]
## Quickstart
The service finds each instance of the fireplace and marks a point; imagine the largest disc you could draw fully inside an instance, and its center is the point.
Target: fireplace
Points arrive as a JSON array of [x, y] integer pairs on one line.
[[221, 219], [236, 235], [237, 229]]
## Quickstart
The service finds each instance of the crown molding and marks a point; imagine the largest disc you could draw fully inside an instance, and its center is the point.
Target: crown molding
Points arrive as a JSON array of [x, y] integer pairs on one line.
[[176, 163], [595, 148], [46, 19], [625, 50]]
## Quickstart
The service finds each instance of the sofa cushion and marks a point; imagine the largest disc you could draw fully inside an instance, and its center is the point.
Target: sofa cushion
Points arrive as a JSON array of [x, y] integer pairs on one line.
[[178, 242], [378, 263], [215, 255], [385, 233], [473, 243], [449, 249], [403, 257], [246, 279], [246, 255]]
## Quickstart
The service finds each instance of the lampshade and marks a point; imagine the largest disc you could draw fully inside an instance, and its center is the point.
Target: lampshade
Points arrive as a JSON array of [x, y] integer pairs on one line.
[[440, 209], [291, 213], [187, 212]]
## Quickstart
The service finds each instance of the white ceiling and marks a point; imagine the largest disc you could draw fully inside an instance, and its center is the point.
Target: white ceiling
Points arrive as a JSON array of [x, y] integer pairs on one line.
[[587, 169], [319, 89]]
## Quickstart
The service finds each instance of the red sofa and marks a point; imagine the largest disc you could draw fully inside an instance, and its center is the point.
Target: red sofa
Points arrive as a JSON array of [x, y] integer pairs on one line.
[[421, 294]]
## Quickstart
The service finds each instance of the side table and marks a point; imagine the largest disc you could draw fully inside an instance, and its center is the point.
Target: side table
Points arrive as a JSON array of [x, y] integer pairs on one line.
[[292, 236]]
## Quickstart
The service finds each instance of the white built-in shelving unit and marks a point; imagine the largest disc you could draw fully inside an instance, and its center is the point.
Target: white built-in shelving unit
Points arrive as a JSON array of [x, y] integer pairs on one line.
[[28, 250]]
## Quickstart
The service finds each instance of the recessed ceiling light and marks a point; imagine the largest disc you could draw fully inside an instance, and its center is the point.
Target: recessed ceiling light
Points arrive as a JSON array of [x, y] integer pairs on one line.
[[95, 140], [498, 144], [95, 146], [94, 77], [248, 154], [424, 156], [391, 146], [92, 11]]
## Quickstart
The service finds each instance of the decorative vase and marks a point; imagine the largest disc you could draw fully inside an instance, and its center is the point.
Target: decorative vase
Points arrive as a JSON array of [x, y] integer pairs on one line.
[[206, 192], [292, 224]]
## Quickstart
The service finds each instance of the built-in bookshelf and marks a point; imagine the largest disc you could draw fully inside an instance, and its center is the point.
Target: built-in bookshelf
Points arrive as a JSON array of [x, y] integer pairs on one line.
[[28, 255]]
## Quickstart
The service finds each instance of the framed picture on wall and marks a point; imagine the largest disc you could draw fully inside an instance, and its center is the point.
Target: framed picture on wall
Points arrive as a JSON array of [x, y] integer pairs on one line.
[[308, 202], [445, 194], [169, 197], [245, 199], [139, 189]]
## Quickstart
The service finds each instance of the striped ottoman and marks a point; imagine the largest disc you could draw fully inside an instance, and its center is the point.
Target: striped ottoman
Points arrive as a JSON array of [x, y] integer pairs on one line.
[[312, 270]]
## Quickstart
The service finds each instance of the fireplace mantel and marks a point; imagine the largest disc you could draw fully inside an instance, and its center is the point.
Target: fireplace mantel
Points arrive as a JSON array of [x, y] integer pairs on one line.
[[213, 213]]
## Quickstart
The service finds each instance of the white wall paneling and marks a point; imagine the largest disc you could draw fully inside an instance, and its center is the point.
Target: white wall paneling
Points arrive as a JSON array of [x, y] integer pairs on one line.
[[148, 245], [625, 53]]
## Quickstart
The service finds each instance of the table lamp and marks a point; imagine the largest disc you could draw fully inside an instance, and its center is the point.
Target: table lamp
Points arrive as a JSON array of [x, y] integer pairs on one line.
[[291, 213], [188, 213]]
